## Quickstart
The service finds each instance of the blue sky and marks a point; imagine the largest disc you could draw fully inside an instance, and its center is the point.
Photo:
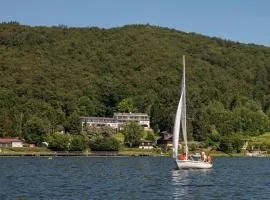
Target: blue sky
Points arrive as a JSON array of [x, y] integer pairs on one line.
[[245, 21]]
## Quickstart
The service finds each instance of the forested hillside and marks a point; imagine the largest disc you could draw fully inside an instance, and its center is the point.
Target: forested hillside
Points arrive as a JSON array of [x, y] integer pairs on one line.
[[51, 75]]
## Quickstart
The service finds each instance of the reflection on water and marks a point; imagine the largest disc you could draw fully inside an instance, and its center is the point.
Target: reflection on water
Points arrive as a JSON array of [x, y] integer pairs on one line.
[[184, 181], [180, 181]]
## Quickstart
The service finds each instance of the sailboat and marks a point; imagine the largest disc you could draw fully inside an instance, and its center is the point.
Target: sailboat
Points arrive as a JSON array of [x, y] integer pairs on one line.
[[186, 161]]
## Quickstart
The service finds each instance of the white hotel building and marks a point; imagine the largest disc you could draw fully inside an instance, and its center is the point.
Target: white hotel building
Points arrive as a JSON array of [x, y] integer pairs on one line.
[[117, 120]]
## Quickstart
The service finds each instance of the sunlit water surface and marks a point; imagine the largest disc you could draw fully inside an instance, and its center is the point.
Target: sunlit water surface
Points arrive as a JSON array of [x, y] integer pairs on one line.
[[67, 178]]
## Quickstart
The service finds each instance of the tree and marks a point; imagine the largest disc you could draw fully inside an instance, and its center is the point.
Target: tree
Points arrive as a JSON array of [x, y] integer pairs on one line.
[[78, 143], [92, 133], [73, 124], [34, 130], [7, 101], [128, 69], [237, 142], [231, 143], [133, 133], [59, 141], [105, 144], [126, 105], [150, 136], [226, 145]]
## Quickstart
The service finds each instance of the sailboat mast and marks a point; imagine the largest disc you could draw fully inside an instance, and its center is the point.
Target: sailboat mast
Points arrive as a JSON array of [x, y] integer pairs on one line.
[[184, 125]]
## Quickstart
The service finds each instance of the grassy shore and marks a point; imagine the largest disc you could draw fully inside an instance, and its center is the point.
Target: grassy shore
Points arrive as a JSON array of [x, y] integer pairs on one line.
[[138, 152], [37, 151]]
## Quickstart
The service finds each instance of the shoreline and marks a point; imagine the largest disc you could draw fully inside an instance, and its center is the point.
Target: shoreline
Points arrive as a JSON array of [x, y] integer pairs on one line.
[[73, 154], [107, 154]]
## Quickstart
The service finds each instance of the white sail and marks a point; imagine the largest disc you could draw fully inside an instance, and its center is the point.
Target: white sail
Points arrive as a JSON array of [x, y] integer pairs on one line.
[[176, 128], [180, 117], [180, 120]]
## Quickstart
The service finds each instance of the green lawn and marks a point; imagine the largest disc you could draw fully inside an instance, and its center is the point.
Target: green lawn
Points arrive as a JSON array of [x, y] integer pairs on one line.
[[262, 139], [137, 151], [120, 137], [25, 149]]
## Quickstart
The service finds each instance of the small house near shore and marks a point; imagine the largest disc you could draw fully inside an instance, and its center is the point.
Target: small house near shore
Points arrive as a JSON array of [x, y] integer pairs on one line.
[[10, 142], [165, 140]]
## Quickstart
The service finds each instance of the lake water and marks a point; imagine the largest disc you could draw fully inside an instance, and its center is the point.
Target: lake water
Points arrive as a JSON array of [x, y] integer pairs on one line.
[[67, 178]]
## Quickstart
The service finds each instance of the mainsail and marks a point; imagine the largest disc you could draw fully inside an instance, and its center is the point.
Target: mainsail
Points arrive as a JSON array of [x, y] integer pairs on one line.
[[176, 128], [180, 117]]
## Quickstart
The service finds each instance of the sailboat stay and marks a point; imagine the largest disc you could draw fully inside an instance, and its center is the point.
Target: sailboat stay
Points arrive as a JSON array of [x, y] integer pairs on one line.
[[186, 161]]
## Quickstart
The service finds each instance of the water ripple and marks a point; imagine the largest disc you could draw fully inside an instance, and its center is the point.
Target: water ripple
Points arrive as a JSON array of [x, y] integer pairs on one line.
[[131, 178]]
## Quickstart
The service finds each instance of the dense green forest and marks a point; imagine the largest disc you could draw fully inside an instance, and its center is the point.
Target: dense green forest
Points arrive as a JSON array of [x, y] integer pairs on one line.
[[52, 75]]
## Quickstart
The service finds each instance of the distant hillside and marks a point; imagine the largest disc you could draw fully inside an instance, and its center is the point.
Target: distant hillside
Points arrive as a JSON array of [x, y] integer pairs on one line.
[[50, 76]]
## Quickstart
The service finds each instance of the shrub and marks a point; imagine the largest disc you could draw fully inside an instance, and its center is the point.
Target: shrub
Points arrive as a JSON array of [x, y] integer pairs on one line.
[[150, 136], [34, 130], [105, 144], [237, 143], [78, 143], [59, 142], [133, 133], [226, 145], [231, 143]]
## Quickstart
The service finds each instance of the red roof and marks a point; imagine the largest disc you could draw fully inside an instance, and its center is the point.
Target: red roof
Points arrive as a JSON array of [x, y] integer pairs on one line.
[[9, 140]]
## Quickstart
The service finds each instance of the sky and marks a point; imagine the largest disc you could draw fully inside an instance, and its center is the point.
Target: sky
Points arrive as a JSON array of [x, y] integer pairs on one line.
[[246, 21]]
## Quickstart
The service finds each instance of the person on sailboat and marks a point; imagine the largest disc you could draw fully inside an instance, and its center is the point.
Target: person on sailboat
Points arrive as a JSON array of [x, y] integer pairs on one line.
[[182, 156], [203, 157], [209, 159]]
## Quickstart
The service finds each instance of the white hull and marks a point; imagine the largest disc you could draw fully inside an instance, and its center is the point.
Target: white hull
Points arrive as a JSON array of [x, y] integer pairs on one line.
[[192, 164]]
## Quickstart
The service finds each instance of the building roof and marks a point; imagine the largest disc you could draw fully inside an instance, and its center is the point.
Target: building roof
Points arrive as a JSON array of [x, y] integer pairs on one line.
[[133, 114], [99, 118], [9, 140], [166, 136]]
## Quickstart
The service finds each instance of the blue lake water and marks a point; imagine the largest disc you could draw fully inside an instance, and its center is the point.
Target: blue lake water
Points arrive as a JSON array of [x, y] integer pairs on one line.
[[67, 178]]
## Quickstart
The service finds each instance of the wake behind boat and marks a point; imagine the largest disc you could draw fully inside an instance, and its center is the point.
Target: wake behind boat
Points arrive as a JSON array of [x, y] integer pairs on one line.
[[185, 161]]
